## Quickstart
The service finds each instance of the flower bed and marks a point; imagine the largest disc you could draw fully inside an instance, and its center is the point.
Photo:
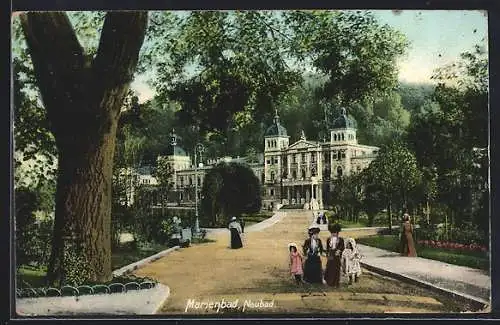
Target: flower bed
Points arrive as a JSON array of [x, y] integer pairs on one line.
[[451, 245]]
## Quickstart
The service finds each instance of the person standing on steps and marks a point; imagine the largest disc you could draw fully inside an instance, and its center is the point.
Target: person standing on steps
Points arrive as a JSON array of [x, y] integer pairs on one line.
[[407, 245], [313, 248], [235, 229], [334, 249]]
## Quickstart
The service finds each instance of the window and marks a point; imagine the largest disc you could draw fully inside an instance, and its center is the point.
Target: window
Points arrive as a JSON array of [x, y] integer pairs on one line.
[[338, 155], [199, 181], [313, 171], [182, 181], [339, 171], [272, 176], [303, 157], [294, 174], [342, 136], [275, 160], [335, 137], [269, 162], [271, 192], [313, 157], [181, 196], [190, 180], [343, 154], [294, 158], [303, 173], [268, 143]]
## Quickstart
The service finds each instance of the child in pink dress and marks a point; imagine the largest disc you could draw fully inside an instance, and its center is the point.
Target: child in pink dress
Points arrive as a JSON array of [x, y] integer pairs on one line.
[[296, 261]]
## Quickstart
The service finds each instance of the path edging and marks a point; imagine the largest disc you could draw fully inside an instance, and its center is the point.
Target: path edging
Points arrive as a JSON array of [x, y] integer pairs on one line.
[[136, 265], [475, 301], [140, 302]]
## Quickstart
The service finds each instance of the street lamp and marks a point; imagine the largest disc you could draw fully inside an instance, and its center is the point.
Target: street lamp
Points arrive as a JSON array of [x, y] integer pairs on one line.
[[199, 148]]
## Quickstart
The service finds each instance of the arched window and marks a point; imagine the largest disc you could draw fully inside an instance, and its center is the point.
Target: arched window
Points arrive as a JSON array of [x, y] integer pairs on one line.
[[339, 172]]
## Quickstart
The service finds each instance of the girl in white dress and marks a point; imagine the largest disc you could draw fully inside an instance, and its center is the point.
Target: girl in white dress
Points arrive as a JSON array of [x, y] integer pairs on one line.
[[350, 261]]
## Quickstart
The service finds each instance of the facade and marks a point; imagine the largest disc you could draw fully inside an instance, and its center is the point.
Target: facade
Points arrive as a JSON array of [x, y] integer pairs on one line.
[[300, 173]]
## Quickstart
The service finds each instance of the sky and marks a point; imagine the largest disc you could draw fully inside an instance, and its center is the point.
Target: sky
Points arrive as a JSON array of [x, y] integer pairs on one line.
[[437, 37]]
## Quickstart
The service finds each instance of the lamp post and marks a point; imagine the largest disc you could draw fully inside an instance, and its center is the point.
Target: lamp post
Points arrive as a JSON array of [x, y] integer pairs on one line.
[[199, 148]]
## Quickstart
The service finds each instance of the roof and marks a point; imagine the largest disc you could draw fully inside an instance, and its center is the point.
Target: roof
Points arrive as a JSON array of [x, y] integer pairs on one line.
[[276, 129], [344, 121]]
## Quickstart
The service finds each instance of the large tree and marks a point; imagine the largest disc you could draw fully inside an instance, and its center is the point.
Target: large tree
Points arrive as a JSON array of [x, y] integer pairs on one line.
[[356, 52], [229, 189], [396, 174], [82, 94]]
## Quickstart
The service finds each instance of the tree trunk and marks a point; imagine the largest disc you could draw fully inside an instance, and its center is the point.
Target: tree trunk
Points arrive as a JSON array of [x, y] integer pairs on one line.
[[83, 98], [389, 214]]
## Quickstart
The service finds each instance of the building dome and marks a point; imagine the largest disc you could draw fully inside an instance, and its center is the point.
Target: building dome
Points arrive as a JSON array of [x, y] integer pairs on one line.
[[343, 121], [276, 129]]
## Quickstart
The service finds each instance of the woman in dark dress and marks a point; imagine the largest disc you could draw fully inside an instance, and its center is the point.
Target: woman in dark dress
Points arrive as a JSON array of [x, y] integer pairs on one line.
[[407, 243], [235, 229], [334, 249], [313, 248]]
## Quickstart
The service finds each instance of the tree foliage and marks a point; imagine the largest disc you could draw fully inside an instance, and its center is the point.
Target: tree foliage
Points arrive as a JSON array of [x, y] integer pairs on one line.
[[396, 174], [229, 189], [355, 51]]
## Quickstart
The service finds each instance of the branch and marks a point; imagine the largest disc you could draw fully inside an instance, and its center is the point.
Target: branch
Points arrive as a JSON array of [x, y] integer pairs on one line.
[[121, 39], [54, 49]]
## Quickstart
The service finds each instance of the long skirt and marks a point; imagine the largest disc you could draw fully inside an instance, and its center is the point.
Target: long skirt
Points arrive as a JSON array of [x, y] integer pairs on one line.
[[407, 245], [332, 271], [235, 239], [312, 270]]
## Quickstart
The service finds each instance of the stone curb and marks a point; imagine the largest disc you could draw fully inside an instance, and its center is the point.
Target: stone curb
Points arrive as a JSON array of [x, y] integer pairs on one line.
[[136, 265], [137, 302], [478, 303]]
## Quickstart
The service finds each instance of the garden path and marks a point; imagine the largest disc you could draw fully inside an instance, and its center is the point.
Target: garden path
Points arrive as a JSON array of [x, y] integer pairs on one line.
[[461, 280], [212, 271]]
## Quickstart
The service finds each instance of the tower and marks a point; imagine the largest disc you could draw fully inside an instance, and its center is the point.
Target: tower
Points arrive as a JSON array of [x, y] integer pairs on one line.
[[342, 135]]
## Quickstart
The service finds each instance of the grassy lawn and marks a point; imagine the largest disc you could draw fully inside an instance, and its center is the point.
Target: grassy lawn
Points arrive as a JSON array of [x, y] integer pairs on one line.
[[30, 276], [478, 260], [126, 255], [251, 219]]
